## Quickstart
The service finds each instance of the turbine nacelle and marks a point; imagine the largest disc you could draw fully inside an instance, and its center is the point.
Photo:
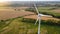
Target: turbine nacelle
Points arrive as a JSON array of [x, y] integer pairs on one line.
[[39, 15]]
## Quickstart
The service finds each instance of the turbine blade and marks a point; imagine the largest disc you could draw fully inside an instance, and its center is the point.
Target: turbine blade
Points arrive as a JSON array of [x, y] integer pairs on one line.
[[36, 21], [36, 8]]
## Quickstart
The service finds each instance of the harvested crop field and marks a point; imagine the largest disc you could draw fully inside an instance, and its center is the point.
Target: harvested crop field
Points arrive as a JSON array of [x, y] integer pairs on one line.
[[11, 13], [56, 10], [43, 17]]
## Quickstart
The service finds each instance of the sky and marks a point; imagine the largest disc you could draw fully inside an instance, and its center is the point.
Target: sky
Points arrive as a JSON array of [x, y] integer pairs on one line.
[[27, 0]]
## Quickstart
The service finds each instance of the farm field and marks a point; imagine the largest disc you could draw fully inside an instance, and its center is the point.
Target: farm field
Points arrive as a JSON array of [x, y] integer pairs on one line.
[[57, 10], [12, 22], [18, 26], [53, 11], [6, 13]]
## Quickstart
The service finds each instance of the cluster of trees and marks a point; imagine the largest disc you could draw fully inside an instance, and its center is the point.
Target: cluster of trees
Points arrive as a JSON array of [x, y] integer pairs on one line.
[[2, 23], [51, 5], [28, 20], [17, 9], [56, 5], [30, 9], [51, 22]]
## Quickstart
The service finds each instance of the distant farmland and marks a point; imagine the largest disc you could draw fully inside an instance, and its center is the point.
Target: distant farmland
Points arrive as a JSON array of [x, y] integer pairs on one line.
[[57, 10], [16, 24], [7, 13]]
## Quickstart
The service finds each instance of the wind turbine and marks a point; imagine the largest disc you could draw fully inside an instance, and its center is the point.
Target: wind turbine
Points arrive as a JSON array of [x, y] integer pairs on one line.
[[38, 19]]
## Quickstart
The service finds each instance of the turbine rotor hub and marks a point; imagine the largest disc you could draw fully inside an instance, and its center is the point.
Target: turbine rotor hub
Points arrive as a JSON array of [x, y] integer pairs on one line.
[[39, 15]]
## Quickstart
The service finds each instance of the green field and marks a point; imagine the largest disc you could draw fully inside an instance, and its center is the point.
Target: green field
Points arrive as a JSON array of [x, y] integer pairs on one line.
[[18, 26]]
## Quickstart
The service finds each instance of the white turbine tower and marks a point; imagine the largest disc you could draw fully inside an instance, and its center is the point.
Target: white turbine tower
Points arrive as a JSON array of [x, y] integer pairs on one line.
[[38, 19]]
